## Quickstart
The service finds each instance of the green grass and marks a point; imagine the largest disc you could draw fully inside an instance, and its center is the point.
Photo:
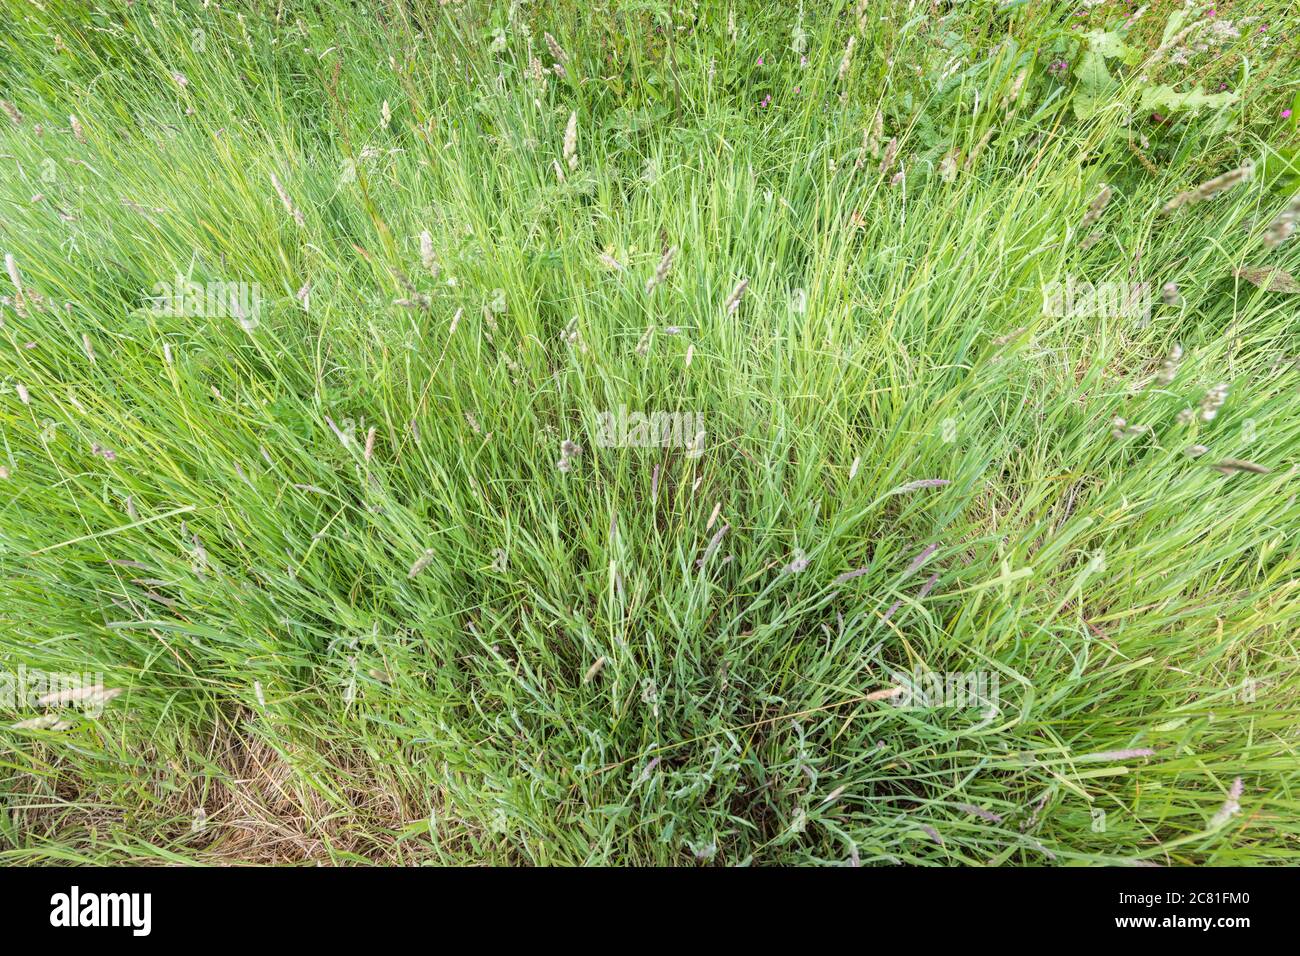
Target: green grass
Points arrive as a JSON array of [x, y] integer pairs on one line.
[[238, 565]]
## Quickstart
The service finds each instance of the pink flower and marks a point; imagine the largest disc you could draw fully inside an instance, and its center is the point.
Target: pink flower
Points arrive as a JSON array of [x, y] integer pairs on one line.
[[760, 61], [1286, 114]]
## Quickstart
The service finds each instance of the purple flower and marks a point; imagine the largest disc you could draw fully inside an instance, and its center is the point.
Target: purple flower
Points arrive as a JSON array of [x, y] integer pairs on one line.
[[1286, 114]]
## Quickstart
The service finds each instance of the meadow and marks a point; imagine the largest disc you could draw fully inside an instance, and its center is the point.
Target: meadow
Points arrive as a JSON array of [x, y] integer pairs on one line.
[[649, 433]]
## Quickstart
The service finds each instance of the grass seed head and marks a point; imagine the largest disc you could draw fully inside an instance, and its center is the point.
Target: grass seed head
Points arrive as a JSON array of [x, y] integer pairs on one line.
[[1211, 188], [1231, 466], [1284, 226], [537, 71], [738, 293], [1231, 806], [661, 271], [1169, 367], [43, 722], [1097, 207], [891, 153], [557, 51], [1212, 402], [847, 62], [798, 564], [643, 345], [427, 257], [919, 485], [422, 562], [289, 206], [16, 277], [571, 142]]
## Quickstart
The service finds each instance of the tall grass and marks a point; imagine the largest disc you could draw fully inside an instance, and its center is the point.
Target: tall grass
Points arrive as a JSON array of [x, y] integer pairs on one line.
[[363, 602]]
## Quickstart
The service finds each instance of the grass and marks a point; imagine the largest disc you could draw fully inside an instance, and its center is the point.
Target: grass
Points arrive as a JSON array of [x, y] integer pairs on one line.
[[359, 613]]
